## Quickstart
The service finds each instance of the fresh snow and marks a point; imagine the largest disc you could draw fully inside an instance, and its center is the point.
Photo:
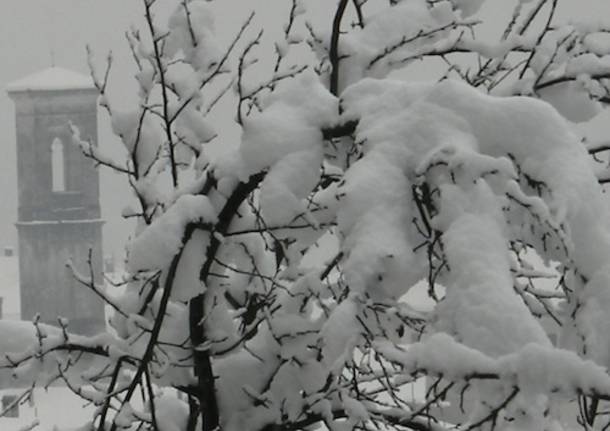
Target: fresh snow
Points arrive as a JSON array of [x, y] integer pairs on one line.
[[445, 191], [52, 79], [155, 246]]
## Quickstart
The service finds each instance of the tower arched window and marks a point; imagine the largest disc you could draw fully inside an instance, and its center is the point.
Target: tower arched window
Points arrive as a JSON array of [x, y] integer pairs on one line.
[[57, 166]]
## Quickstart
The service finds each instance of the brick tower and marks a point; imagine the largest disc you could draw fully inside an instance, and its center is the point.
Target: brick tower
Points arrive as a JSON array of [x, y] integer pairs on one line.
[[58, 196]]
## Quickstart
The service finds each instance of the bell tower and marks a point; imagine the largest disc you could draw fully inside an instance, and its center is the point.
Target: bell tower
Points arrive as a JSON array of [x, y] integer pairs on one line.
[[58, 197]]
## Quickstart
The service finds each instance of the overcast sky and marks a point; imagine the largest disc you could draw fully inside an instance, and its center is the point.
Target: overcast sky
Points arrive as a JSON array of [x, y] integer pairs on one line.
[[34, 33]]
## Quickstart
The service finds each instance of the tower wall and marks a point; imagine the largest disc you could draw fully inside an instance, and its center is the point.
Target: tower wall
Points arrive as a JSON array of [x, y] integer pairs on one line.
[[40, 118], [55, 226], [48, 286]]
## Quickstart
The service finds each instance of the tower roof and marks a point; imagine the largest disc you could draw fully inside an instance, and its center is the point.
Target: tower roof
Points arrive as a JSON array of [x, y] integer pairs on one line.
[[52, 79]]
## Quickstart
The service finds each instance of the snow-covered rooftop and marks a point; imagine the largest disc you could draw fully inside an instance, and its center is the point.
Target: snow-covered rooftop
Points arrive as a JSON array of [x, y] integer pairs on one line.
[[52, 78]]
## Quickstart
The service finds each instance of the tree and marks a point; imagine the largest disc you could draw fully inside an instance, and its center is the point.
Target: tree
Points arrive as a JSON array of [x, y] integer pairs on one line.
[[487, 202]]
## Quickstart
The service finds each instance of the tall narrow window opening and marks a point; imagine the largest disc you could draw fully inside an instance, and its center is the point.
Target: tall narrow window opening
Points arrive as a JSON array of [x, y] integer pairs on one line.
[[57, 166]]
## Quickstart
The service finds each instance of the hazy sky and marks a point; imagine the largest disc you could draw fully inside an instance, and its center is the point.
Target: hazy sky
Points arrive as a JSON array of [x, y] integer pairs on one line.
[[32, 32]]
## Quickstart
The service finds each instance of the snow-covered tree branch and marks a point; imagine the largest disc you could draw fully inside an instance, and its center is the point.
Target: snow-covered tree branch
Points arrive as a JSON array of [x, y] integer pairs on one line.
[[372, 249]]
